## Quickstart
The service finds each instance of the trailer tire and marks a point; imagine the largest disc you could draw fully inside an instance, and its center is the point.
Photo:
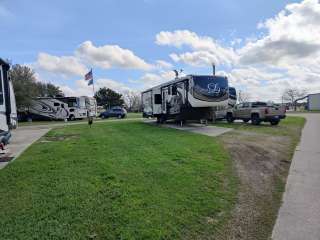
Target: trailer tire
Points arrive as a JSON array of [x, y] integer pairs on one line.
[[230, 118], [163, 119], [72, 118]]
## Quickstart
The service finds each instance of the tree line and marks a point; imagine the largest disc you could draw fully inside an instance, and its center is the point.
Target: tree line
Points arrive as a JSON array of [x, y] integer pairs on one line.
[[26, 87], [107, 98]]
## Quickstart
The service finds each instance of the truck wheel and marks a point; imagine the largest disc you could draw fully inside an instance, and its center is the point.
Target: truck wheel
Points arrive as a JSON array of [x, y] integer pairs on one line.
[[255, 120], [274, 122], [72, 118], [119, 116], [229, 118]]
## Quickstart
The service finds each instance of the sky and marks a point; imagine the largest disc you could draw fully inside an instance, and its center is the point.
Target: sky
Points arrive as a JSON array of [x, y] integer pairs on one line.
[[263, 47]]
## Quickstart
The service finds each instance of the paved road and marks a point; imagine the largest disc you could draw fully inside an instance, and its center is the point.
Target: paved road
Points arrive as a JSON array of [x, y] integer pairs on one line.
[[21, 139], [299, 215]]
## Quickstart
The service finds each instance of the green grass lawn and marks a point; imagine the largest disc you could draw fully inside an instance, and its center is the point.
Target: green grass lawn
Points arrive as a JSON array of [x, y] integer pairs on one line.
[[117, 180], [285, 127]]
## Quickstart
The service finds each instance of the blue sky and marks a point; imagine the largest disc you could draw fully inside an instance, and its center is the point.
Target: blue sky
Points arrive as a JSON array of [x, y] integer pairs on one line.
[[57, 28]]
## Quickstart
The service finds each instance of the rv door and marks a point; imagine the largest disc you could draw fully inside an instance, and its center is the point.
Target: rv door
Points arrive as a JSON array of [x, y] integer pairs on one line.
[[157, 101], [165, 92]]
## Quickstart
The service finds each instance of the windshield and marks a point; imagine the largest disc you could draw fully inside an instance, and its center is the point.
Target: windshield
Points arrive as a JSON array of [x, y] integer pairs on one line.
[[210, 88]]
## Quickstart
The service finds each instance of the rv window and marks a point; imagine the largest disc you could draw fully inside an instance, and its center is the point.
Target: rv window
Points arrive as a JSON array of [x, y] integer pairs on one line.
[[174, 90], [157, 99], [56, 104]]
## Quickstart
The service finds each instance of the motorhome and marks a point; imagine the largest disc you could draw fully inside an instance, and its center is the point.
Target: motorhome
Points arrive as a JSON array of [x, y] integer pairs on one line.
[[76, 106], [8, 110], [47, 108], [192, 97]]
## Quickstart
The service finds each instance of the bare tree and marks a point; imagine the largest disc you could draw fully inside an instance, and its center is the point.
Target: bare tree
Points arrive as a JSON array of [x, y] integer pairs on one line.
[[132, 101], [292, 95], [243, 96]]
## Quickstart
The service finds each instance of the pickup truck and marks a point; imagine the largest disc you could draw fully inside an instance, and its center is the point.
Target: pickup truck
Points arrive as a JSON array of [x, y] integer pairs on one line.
[[257, 112]]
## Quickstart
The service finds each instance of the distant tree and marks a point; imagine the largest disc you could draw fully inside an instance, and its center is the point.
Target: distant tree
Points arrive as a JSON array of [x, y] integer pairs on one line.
[[132, 101], [26, 87], [48, 90], [108, 98], [292, 95], [23, 80], [243, 96]]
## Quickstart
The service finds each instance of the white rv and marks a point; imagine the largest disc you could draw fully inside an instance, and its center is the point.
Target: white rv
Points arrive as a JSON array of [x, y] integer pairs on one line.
[[47, 108], [8, 110], [76, 106], [192, 97]]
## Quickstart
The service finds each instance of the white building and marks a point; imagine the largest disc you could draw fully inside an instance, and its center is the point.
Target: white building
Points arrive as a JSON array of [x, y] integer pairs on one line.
[[314, 102]]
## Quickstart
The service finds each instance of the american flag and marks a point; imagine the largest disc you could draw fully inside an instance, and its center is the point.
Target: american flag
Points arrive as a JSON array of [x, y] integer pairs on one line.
[[88, 76]]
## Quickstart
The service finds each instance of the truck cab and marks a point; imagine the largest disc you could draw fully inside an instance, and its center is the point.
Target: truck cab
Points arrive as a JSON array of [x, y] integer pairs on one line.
[[257, 112]]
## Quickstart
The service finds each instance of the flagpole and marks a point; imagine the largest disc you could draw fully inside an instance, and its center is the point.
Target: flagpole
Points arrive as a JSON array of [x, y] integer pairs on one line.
[[95, 103]]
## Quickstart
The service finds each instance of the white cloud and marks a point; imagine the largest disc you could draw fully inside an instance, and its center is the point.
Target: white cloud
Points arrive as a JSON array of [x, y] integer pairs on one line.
[[163, 64], [292, 35], [205, 49], [149, 80], [65, 65], [285, 54], [82, 88], [109, 56], [196, 58]]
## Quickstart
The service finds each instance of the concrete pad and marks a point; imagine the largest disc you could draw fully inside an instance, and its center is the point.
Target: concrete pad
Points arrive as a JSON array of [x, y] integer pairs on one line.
[[21, 139], [299, 215], [211, 131]]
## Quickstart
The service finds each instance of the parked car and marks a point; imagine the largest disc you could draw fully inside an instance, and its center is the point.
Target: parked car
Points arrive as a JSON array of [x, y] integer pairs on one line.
[[257, 112], [118, 112]]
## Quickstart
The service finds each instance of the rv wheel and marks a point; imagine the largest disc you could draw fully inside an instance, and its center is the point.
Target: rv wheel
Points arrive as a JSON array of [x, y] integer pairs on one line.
[[72, 118]]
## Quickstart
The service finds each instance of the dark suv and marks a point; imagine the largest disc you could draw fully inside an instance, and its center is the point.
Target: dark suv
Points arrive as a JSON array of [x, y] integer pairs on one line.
[[118, 112]]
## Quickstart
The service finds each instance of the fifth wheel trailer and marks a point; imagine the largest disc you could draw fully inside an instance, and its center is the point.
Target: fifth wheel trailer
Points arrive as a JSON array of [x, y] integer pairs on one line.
[[192, 97], [8, 110], [47, 108]]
